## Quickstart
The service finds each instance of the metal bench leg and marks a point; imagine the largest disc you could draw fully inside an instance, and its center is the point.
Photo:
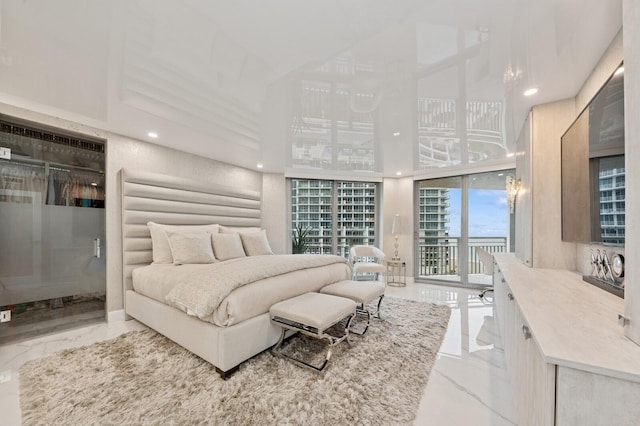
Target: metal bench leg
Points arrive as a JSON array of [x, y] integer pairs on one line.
[[333, 341]]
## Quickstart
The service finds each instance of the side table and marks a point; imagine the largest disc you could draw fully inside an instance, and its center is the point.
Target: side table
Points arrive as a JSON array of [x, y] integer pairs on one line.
[[396, 273]]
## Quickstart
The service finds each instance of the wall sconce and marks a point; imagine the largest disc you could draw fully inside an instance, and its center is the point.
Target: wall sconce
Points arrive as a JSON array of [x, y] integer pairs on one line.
[[395, 230], [513, 186]]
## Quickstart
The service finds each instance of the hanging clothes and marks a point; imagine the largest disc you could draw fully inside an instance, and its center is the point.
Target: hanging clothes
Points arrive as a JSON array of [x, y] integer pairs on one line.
[[22, 183]]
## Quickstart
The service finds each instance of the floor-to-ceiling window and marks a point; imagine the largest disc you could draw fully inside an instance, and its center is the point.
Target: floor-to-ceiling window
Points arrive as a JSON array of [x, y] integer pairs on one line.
[[333, 215], [456, 215], [439, 216]]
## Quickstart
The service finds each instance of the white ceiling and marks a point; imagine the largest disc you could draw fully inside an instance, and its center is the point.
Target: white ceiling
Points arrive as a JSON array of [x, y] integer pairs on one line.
[[218, 78]]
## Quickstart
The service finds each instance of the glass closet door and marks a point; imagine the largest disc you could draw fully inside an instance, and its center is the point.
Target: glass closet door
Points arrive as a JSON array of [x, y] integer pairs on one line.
[[52, 238]]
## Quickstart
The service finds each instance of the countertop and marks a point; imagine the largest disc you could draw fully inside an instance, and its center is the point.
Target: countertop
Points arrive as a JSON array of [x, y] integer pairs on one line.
[[575, 324]]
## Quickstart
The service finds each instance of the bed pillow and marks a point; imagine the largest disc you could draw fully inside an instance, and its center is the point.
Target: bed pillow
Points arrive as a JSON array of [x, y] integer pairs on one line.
[[238, 229], [160, 242], [190, 248], [227, 246], [256, 243]]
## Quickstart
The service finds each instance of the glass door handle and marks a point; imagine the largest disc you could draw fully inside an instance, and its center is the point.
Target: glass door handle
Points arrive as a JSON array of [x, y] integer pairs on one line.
[[96, 247]]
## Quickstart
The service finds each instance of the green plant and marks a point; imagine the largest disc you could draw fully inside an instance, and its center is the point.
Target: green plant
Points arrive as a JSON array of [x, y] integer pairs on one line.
[[300, 239]]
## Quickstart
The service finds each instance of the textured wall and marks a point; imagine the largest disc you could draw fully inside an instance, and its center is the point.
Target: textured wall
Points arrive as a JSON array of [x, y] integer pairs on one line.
[[274, 212], [397, 197]]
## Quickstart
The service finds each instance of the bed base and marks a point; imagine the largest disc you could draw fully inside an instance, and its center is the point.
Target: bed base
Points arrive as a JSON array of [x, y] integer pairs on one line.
[[223, 347]]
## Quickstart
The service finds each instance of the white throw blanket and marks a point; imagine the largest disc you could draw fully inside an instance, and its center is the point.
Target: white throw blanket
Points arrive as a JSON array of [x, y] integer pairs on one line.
[[201, 292]]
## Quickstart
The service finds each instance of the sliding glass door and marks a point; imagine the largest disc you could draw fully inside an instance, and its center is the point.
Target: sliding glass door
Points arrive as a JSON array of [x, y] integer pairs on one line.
[[456, 216], [489, 218], [439, 226]]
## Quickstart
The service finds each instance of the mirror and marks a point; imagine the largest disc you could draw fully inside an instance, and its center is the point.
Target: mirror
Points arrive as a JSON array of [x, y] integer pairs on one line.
[[593, 173]]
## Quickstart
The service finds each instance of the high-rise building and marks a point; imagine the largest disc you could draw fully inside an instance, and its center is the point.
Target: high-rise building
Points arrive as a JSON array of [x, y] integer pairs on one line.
[[433, 229], [612, 205], [312, 205]]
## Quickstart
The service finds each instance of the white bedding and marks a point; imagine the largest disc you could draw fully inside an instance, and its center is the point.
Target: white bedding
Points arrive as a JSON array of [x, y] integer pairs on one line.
[[262, 283]]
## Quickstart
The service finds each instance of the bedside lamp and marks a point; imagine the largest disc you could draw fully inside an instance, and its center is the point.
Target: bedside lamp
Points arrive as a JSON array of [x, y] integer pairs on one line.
[[395, 230]]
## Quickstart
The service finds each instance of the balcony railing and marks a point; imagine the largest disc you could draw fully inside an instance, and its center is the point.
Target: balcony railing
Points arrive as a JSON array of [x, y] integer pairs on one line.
[[436, 255], [441, 256]]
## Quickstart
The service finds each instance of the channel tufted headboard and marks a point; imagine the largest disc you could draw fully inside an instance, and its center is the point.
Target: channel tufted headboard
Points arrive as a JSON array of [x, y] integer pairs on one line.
[[176, 201]]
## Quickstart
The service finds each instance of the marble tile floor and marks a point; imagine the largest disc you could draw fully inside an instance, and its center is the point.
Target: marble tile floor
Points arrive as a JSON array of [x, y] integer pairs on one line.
[[468, 383]]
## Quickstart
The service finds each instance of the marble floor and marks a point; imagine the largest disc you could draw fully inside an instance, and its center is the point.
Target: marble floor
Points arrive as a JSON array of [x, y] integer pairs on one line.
[[468, 384]]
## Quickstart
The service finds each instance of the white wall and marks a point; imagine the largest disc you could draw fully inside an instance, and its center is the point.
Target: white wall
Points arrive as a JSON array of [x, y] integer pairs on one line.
[[397, 197], [549, 121], [274, 212]]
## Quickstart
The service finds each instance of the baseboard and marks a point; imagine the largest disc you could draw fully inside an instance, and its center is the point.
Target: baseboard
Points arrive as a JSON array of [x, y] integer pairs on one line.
[[115, 316]]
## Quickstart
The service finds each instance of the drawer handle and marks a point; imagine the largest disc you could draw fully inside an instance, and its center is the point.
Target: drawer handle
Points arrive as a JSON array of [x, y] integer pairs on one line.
[[510, 296], [526, 332]]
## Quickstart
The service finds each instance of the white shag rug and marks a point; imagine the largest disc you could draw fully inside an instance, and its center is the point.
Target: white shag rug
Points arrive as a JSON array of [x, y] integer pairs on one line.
[[143, 378]]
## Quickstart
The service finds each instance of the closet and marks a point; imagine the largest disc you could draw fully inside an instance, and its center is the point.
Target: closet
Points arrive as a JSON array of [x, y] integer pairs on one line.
[[52, 229]]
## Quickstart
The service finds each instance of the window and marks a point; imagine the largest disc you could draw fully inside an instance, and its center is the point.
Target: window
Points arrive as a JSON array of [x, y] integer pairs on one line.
[[342, 214], [465, 212]]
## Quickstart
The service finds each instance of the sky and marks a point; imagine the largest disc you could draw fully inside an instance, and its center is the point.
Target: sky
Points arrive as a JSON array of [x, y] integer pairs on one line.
[[488, 213]]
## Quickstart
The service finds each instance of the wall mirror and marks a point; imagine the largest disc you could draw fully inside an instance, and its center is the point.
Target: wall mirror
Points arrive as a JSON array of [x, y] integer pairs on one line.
[[593, 172]]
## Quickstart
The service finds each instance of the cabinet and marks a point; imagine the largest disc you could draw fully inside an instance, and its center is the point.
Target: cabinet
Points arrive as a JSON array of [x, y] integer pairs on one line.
[[539, 199], [567, 358]]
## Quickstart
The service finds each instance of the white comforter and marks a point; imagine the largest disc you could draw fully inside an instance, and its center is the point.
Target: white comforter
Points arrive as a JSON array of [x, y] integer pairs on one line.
[[229, 292]]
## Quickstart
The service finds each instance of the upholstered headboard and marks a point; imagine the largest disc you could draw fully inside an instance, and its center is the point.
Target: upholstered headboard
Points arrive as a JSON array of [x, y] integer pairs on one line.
[[176, 201]]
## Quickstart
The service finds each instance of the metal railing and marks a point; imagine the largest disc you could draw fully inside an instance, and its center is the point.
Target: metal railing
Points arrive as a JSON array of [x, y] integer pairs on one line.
[[441, 256], [436, 256]]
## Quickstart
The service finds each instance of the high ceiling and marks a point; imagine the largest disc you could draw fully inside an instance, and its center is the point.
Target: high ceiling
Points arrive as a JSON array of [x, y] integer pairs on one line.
[[377, 86]]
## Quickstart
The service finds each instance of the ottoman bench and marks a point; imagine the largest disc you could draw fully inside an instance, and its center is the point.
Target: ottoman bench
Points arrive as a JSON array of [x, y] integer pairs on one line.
[[360, 292], [312, 314]]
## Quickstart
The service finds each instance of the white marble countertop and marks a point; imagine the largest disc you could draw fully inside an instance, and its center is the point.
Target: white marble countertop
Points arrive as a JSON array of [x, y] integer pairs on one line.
[[575, 324]]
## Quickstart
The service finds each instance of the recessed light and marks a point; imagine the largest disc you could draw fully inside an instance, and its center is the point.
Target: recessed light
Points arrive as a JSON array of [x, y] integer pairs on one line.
[[152, 135], [259, 165], [396, 133], [530, 92], [619, 71], [511, 154], [398, 173]]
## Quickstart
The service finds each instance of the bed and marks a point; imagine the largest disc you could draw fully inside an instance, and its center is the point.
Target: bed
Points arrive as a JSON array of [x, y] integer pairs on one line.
[[235, 330]]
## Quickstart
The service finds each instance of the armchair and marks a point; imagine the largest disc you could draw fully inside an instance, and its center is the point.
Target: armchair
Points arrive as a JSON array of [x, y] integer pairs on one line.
[[367, 259]]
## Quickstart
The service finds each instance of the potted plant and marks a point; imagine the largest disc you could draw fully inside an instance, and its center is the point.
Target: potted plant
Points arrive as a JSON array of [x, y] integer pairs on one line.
[[300, 239]]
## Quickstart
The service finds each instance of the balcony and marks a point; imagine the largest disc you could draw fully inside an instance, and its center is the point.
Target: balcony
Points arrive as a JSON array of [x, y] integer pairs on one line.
[[441, 255]]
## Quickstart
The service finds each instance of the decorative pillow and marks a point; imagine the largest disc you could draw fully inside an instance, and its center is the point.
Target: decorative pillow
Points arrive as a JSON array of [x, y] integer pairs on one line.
[[237, 229], [190, 248], [227, 246], [160, 242], [256, 243]]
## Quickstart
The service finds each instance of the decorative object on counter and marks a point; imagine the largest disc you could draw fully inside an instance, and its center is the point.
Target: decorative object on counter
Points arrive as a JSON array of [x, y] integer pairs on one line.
[[605, 274], [617, 266]]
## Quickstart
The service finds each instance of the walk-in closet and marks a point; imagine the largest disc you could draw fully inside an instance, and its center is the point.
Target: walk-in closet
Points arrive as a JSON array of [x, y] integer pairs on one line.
[[52, 230]]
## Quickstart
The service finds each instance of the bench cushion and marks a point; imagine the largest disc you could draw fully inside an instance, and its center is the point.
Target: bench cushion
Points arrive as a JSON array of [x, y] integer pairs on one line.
[[314, 309], [360, 292]]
